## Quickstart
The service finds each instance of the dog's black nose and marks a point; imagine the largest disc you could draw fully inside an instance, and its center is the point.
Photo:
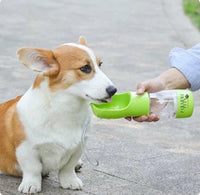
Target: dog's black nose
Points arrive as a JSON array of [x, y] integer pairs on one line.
[[111, 90]]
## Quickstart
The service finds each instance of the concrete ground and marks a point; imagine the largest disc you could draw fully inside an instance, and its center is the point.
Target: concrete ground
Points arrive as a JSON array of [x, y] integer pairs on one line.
[[134, 38]]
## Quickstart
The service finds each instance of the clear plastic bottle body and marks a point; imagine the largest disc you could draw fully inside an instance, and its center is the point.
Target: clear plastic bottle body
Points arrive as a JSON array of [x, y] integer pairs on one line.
[[164, 104]]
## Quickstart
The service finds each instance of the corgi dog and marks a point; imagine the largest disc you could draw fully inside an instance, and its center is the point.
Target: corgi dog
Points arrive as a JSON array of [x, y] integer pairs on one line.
[[41, 130]]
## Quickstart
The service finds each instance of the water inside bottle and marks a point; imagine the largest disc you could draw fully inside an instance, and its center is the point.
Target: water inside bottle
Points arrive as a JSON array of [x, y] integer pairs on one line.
[[164, 104]]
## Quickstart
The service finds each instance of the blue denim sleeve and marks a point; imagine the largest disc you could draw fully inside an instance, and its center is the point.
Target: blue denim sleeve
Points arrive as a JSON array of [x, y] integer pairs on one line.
[[187, 62]]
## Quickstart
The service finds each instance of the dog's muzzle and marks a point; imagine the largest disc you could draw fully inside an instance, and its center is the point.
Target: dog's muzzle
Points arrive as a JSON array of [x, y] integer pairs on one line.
[[111, 90]]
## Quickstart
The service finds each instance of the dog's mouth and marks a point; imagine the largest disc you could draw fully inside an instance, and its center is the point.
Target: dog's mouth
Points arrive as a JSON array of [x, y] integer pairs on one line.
[[103, 100]]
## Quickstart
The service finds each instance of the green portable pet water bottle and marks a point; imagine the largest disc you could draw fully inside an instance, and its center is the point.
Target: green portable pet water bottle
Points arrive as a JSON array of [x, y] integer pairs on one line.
[[166, 104]]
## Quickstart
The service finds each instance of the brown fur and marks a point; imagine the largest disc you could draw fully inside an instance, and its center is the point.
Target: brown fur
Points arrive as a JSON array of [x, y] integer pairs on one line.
[[70, 60], [11, 135], [65, 63]]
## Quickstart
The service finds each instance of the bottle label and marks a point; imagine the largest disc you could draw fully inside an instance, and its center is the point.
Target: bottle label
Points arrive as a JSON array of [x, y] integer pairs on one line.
[[185, 103]]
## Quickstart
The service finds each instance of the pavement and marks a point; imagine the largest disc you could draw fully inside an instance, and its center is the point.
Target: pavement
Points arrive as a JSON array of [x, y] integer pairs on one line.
[[134, 39]]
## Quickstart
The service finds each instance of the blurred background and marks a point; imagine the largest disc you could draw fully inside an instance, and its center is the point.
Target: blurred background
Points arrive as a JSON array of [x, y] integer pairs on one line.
[[132, 37]]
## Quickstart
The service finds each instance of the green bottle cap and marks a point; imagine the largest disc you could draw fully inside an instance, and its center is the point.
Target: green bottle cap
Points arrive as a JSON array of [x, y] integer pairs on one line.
[[123, 105], [185, 103]]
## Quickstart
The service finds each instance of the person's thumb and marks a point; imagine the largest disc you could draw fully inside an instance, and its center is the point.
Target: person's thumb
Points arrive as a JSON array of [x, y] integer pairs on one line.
[[140, 89]]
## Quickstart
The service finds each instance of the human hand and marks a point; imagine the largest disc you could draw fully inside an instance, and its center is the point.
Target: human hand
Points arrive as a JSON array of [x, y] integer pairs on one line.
[[152, 85], [170, 79]]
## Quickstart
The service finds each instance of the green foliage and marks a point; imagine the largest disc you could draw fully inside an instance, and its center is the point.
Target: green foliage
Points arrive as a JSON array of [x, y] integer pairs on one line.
[[192, 9]]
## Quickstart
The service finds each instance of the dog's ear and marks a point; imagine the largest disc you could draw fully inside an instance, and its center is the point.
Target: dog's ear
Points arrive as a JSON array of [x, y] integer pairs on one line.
[[39, 60], [82, 40]]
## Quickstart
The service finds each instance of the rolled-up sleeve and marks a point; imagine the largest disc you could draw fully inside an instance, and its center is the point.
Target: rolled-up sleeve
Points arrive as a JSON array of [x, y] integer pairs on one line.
[[187, 62]]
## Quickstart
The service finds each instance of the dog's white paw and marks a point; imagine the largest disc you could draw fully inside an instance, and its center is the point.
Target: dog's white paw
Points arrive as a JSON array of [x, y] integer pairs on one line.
[[72, 183], [29, 187]]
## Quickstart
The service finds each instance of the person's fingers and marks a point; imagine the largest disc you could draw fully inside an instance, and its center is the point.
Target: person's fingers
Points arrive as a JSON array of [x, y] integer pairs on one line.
[[153, 117], [149, 118], [144, 86], [129, 118], [140, 89], [140, 118]]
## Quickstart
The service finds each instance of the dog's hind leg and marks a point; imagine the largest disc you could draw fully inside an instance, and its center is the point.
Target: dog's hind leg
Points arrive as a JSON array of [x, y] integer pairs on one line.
[[31, 167], [67, 176]]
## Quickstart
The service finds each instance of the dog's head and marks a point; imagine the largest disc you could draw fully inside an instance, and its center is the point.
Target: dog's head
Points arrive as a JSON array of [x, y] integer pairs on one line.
[[71, 68]]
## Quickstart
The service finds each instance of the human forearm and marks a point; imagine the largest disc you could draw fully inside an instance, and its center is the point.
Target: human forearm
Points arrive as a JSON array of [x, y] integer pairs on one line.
[[173, 79], [188, 63]]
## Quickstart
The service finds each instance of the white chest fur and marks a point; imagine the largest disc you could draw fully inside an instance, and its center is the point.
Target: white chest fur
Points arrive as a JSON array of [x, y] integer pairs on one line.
[[53, 124]]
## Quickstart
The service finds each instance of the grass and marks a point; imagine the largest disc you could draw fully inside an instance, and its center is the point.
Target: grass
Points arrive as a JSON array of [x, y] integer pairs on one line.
[[192, 9]]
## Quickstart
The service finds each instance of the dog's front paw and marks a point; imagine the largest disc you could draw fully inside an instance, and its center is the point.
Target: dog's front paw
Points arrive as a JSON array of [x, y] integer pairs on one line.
[[29, 187], [72, 183]]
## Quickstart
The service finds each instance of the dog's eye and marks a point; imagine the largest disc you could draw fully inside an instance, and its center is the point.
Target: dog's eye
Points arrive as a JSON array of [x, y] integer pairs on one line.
[[100, 63], [86, 69]]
